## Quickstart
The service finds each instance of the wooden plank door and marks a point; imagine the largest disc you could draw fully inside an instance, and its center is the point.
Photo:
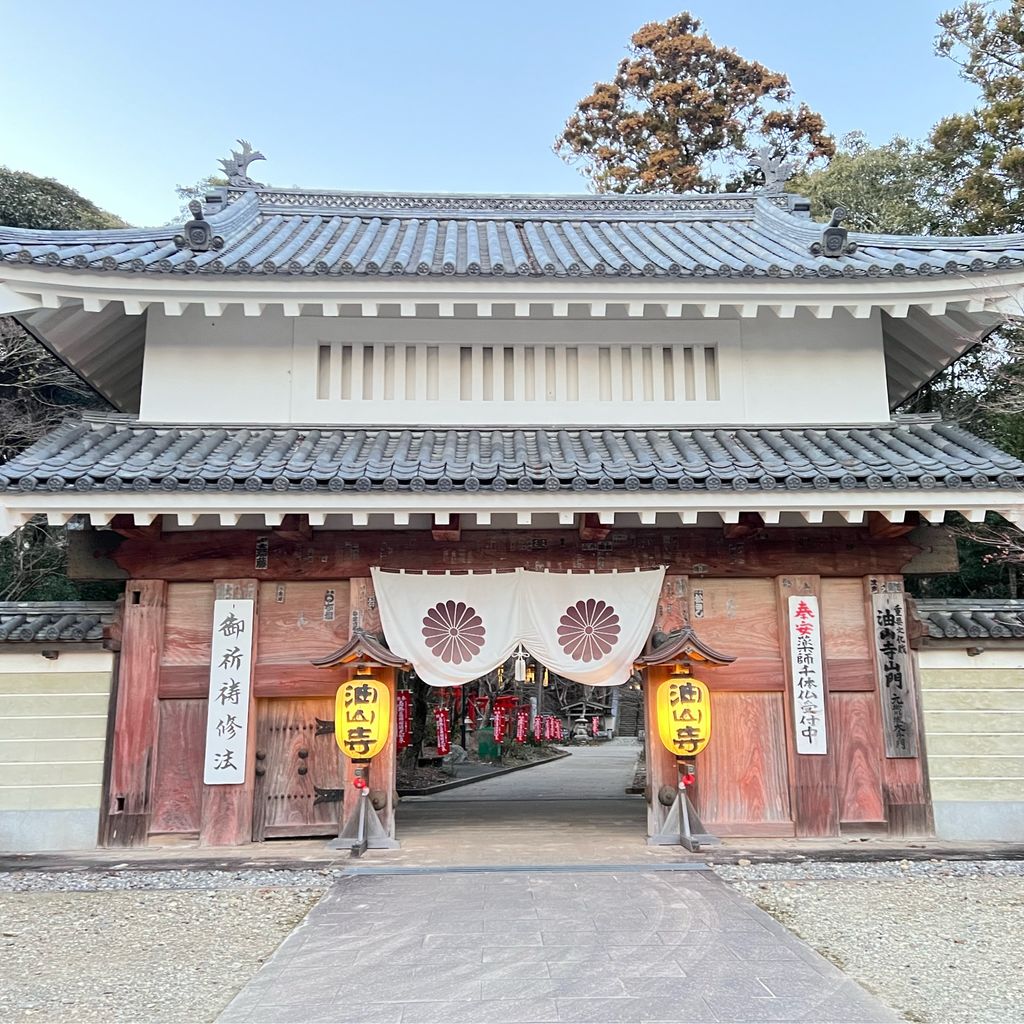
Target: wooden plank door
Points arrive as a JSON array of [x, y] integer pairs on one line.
[[298, 769]]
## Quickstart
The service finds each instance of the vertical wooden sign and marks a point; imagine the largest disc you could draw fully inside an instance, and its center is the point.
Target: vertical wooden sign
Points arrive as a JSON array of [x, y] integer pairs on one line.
[[227, 720], [899, 706], [808, 677]]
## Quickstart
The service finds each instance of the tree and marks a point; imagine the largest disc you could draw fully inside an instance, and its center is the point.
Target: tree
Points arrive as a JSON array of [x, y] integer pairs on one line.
[[895, 188], [982, 151], [684, 114], [30, 202], [37, 391]]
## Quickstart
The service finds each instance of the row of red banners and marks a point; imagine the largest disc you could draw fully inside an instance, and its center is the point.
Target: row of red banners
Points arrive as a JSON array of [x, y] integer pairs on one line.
[[506, 715]]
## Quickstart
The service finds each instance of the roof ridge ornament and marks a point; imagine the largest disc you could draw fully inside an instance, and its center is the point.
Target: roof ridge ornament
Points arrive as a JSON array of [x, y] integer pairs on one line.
[[776, 170], [834, 238], [197, 234], [236, 166]]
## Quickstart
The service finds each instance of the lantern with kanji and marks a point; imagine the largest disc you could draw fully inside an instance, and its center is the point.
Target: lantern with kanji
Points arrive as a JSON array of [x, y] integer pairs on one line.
[[362, 716], [683, 706]]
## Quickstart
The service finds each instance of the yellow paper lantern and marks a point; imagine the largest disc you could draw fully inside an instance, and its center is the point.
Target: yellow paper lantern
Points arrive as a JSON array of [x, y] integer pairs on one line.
[[362, 716], [683, 707]]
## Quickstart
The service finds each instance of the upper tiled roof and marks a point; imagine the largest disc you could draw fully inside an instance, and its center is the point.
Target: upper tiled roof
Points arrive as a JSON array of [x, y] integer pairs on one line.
[[952, 619], [292, 232], [54, 621], [118, 453]]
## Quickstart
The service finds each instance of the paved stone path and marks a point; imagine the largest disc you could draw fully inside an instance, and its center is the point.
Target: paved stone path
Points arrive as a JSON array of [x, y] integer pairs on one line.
[[545, 946]]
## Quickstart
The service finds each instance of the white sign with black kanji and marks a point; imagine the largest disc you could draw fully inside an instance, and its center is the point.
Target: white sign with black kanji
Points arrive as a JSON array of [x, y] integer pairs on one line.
[[227, 720]]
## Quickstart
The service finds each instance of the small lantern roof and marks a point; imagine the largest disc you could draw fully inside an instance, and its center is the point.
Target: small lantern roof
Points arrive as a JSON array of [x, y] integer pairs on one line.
[[683, 645], [363, 650]]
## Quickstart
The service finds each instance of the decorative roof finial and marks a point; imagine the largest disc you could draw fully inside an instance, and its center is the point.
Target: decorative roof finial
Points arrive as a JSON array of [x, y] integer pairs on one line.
[[197, 234], [833, 237], [776, 170], [236, 166]]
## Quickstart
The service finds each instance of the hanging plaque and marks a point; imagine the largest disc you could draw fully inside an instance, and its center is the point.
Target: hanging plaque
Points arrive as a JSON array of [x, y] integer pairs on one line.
[[804, 627], [899, 709], [227, 715]]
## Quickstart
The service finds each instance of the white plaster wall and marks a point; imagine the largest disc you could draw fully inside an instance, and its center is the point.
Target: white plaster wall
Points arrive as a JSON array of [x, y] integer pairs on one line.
[[237, 369]]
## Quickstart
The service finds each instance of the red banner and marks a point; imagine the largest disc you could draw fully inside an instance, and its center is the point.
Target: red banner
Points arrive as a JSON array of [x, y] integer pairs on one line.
[[522, 725], [403, 719], [538, 728], [595, 725], [444, 735], [500, 720]]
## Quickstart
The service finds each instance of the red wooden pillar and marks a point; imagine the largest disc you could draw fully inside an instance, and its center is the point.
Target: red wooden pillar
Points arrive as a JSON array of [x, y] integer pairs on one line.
[[136, 721], [812, 777], [673, 613], [226, 817], [661, 762], [384, 767]]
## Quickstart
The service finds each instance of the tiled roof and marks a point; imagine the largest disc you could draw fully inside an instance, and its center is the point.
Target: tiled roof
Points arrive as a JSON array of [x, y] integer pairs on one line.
[[54, 621], [292, 232], [112, 452], [973, 618]]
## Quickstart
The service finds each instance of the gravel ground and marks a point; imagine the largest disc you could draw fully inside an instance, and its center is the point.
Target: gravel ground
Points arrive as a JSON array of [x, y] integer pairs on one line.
[[140, 946], [939, 941]]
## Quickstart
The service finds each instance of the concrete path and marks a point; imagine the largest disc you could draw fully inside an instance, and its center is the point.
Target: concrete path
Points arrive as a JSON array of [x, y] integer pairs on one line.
[[571, 811], [545, 946]]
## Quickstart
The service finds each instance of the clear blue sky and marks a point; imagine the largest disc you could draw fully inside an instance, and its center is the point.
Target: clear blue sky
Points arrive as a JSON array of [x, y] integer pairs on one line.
[[124, 100]]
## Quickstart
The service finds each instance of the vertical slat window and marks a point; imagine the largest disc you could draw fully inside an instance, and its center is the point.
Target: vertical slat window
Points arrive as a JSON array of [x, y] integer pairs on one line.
[[323, 372], [346, 372], [668, 373], [572, 374], [509, 391], [604, 374], [367, 351], [626, 360], [433, 372], [466, 374], [711, 372]]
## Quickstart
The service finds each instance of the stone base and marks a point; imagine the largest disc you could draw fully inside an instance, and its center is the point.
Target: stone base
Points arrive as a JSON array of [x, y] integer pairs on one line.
[[39, 831], [999, 820]]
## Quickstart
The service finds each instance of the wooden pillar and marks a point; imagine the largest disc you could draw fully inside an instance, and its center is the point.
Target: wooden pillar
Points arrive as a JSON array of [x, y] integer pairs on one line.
[[673, 613], [812, 777], [136, 723], [905, 784], [661, 762], [227, 811], [384, 767]]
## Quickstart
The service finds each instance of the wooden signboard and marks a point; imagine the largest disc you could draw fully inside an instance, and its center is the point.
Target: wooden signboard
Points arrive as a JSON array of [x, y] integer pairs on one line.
[[899, 708], [227, 719]]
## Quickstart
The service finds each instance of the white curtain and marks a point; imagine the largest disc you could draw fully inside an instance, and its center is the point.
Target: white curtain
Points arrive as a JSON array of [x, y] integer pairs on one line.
[[590, 627], [455, 627]]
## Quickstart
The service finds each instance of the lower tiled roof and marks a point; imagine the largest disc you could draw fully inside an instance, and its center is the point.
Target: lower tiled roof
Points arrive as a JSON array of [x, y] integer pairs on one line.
[[56, 621], [975, 618], [104, 452]]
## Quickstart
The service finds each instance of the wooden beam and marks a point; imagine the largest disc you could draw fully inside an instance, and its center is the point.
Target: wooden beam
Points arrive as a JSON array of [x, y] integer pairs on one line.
[[124, 526], [879, 528], [294, 528], [133, 750], [450, 531], [205, 555], [749, 524], [591, 528]]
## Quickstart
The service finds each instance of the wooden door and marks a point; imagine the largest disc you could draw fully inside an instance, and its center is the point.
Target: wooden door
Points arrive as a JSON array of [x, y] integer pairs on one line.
[[298, 769]]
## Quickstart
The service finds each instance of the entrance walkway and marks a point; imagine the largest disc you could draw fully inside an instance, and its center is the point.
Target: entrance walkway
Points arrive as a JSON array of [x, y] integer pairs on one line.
[[534, 946], [571, 811]]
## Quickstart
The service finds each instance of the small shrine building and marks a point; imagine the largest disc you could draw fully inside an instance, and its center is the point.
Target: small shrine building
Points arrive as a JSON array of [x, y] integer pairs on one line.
[[312, 384]]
